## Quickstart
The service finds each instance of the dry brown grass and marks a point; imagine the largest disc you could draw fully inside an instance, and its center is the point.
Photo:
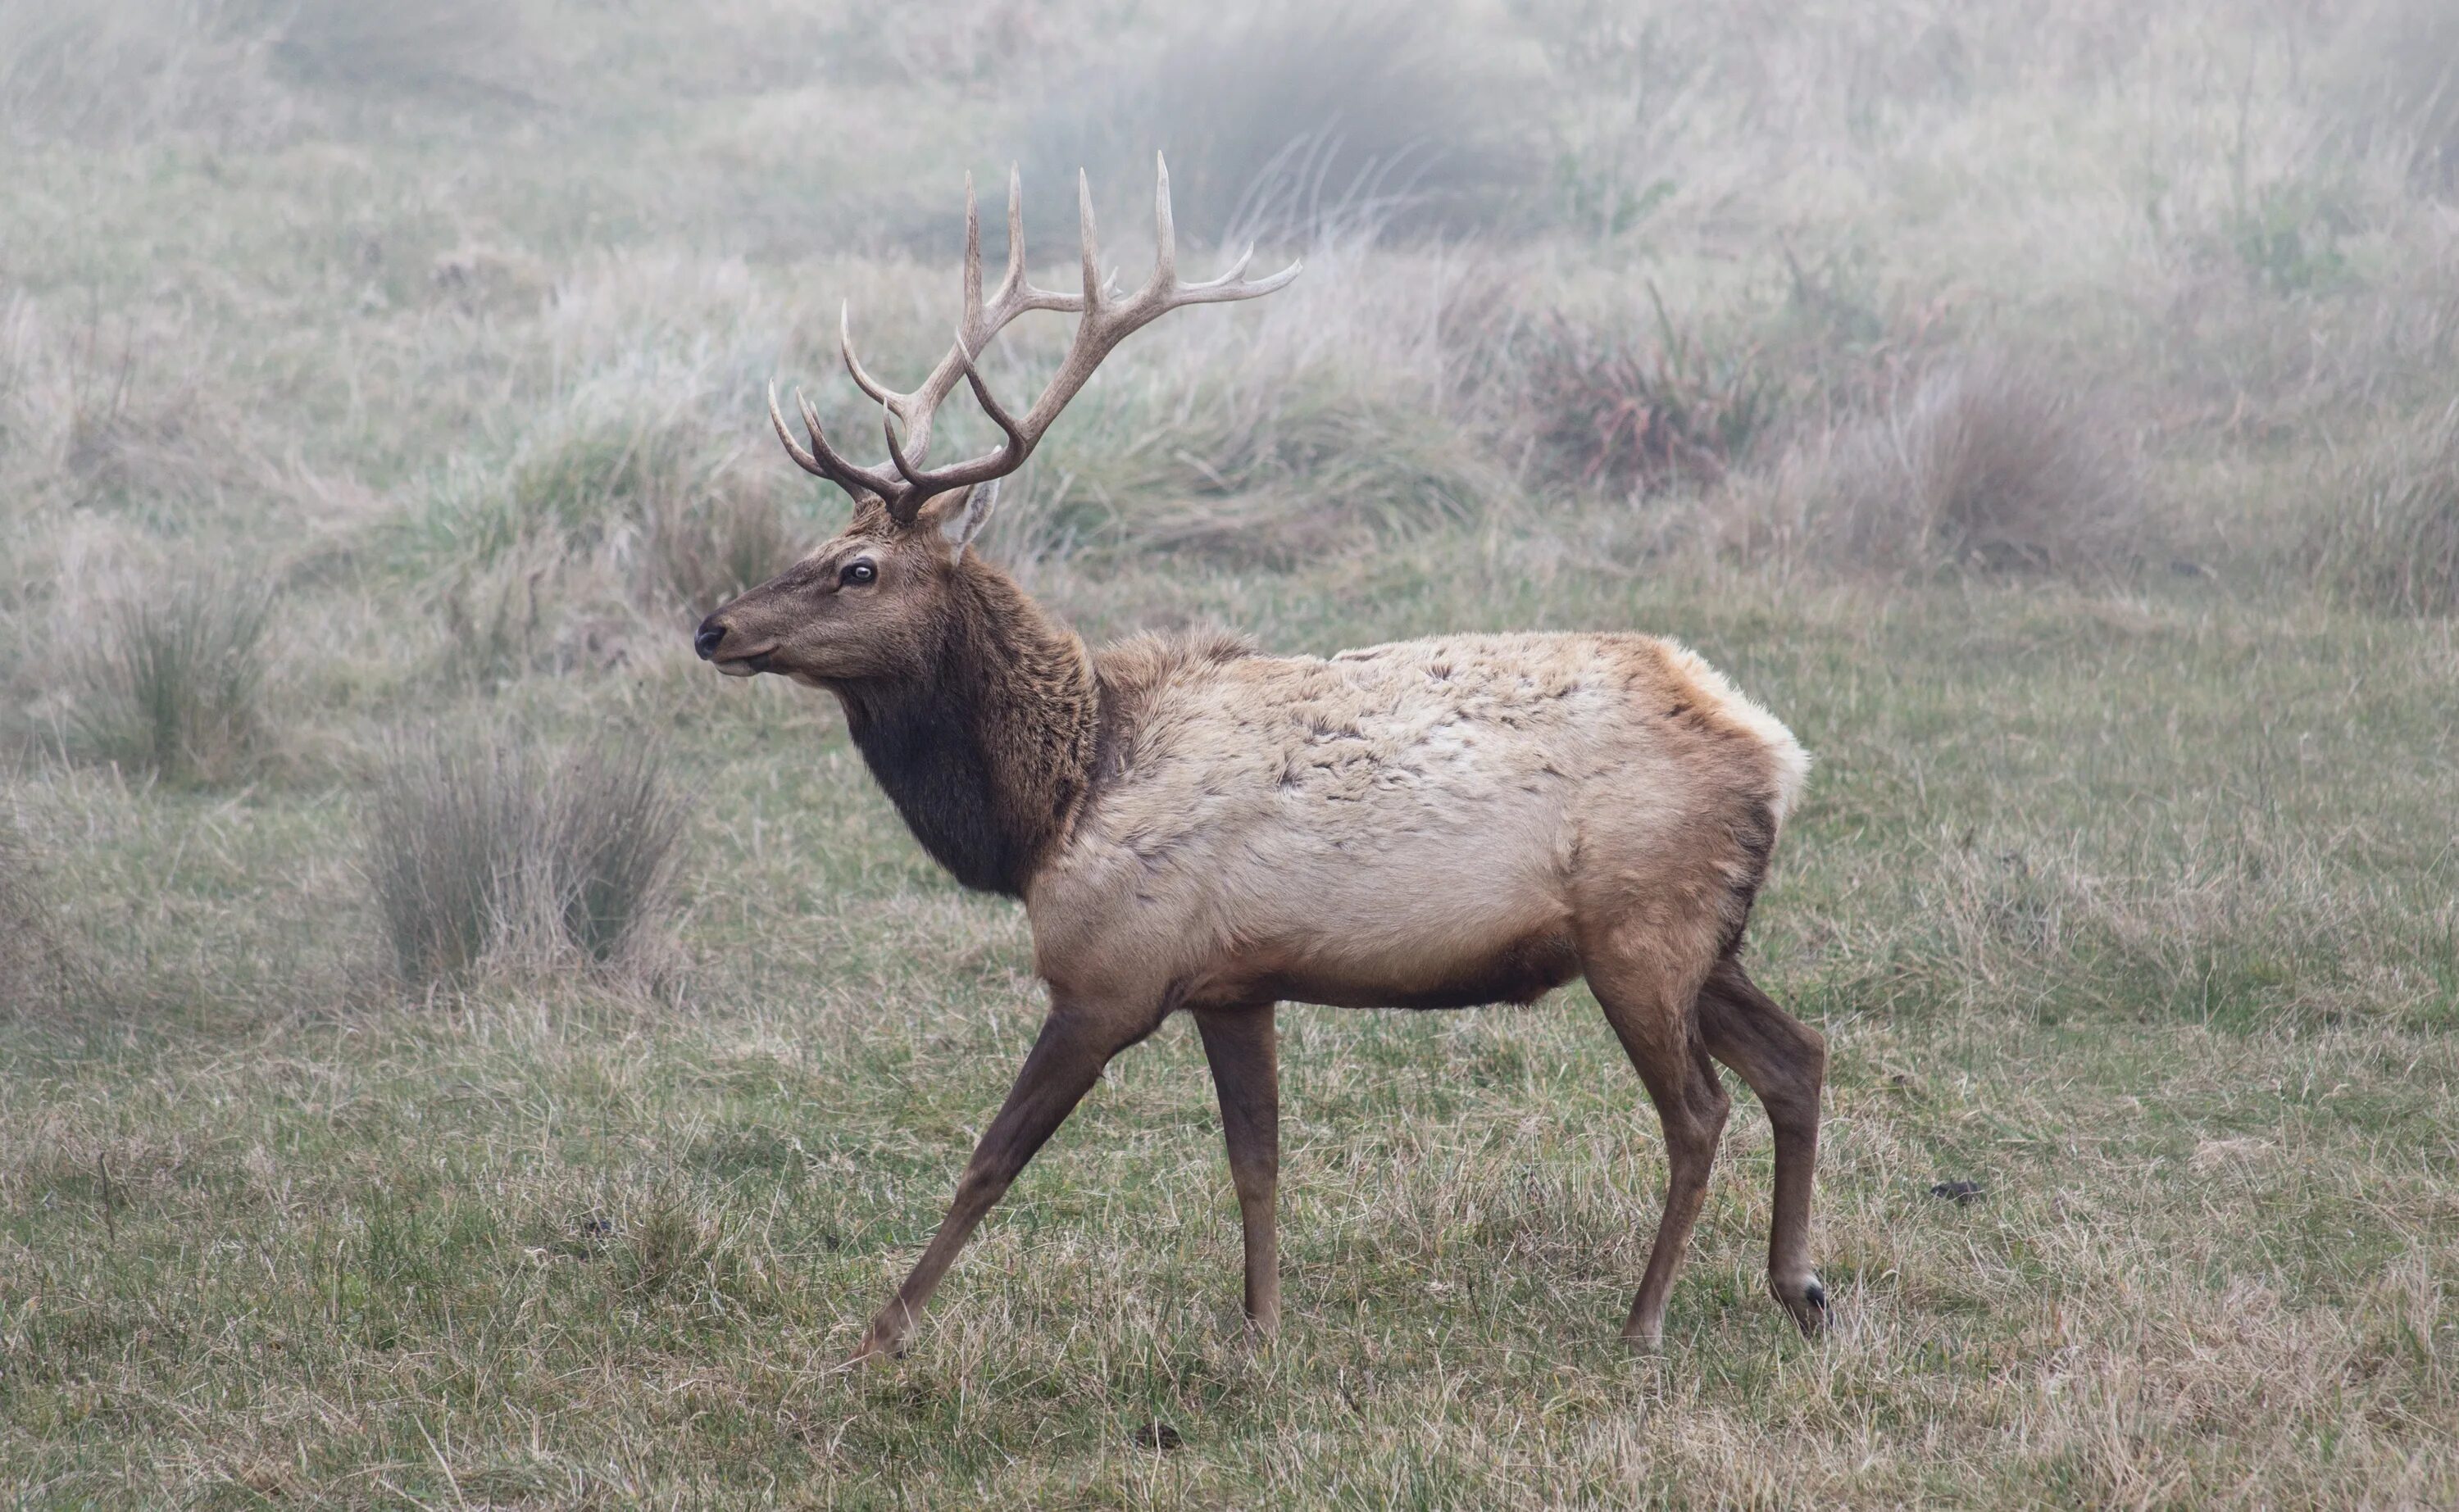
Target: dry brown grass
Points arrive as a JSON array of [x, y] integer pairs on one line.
[[1987, 463], [705, 546], [1284, 121], [2389, 534], [433, 44], [2128, 898], [2393, 75], [1328, 418], [38, 968], [114, 72]]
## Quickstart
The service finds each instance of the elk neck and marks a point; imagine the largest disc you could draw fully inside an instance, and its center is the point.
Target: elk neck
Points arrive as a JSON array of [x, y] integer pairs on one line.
[[989, 753]]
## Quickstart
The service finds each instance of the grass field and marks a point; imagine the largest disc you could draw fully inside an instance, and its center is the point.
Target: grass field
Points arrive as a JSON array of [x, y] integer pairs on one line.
[[2045, 413]]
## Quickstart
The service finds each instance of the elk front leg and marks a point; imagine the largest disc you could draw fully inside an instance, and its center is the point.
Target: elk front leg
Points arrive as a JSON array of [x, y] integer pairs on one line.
[[1065, 1060], [1785, 1063], [1239, 1044]]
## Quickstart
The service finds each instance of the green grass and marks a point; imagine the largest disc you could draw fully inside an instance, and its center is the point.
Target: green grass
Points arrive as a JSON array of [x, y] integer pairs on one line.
[[2124, 890], [2058, 900]]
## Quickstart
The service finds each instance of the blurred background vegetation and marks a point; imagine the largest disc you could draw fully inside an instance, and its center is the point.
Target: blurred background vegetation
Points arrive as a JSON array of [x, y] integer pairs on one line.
[[2050, 409]]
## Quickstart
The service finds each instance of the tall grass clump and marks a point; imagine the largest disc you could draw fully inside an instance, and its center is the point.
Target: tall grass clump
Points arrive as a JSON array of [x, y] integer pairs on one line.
[[1328, 417], [707, 545], [1987, 463], [173, 678], [686, 520], [487, 849], [582, 482], [432, 45], [1322, 459], [109, 73], [37, 968], [1288, 118], [493, 620], [2388, 536], [2395, 86], [695, 523], [1642, 411]]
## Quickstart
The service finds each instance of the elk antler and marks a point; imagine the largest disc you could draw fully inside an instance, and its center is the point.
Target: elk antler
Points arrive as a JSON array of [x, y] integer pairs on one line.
[[1108, 319]]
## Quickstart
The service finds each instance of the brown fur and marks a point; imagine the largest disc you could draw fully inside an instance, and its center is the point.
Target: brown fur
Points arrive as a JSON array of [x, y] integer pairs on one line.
[[1430, 824]]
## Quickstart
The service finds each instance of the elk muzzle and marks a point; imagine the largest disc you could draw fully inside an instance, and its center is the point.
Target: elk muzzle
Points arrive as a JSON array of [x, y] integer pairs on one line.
[[709, 640]]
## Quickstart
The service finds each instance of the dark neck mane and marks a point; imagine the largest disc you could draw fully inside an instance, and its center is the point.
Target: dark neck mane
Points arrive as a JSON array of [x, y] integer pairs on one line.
[[988, 755]]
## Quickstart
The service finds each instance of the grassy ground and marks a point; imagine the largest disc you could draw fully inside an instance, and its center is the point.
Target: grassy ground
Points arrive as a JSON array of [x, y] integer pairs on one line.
[[2124, 889]]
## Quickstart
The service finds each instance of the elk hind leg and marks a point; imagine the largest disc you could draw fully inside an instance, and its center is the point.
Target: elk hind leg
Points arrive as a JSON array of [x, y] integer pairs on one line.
[[1651, 1003], [1785, 1063]]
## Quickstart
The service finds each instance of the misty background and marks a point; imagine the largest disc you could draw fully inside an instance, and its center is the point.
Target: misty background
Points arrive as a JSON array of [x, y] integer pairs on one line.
[[455, 1048]]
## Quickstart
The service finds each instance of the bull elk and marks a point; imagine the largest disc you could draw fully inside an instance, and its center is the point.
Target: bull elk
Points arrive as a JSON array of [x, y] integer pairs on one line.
[[1191, 826]]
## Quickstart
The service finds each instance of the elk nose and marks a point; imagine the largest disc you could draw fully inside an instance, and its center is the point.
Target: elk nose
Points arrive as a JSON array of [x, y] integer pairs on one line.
[[711, 634]]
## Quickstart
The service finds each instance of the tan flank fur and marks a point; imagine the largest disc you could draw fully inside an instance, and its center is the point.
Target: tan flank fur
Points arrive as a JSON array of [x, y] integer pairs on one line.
[[1431, 824]]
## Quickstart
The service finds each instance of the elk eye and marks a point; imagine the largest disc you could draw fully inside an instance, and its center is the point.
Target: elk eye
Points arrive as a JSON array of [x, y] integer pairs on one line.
[[857, 573]]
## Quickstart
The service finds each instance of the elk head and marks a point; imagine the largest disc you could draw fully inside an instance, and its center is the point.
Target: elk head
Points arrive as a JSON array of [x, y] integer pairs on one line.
[[869, 604]]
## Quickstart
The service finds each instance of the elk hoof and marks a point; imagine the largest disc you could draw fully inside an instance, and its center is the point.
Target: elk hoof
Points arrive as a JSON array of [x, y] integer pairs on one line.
[[1807, 1303], [877, 1347]]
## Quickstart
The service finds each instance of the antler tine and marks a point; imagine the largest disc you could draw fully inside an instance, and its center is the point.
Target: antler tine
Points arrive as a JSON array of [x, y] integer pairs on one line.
[[879, 392], [924, 485], [896, 454], [1164, 273], [1108, 319], [1016, 436], [1092, 240], [793, 448], [829, 464], [974, 260], [1234, 285], [811, 423], [1015, 279]]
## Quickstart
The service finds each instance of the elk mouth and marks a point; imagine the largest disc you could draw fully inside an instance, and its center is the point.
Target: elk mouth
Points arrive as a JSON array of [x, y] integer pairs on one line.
[[751, 665]]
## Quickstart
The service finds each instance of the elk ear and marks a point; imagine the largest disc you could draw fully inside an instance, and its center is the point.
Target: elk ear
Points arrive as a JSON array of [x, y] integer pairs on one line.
[[959, 516]]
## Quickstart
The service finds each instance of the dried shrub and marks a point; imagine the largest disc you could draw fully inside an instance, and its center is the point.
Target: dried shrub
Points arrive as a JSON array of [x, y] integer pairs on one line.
[[1846, 338], [128, 427], [172, 680], [2390, 541], [1287, 120], [1643, 413], [1989, 463], [487, 849]]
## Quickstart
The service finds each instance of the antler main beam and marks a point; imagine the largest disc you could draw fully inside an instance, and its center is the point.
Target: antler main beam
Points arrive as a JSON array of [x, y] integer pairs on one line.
[[905, 484]]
